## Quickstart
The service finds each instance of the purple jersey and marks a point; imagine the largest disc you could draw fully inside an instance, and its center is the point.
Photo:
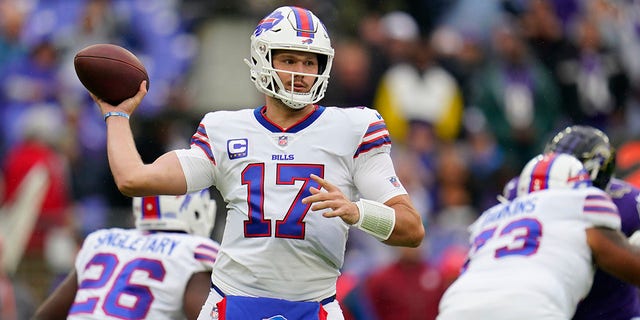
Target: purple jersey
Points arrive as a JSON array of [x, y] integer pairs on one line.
[[609, 298]]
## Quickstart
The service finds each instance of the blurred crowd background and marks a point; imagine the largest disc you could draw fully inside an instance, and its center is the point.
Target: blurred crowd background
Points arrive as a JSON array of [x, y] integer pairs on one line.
[[470, 91]]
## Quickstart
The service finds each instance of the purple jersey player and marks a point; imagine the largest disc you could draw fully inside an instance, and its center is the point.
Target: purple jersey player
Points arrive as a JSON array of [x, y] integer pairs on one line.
[[609, 298]]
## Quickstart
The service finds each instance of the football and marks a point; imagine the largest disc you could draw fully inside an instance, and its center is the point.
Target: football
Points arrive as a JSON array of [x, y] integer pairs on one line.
[[110, 72]]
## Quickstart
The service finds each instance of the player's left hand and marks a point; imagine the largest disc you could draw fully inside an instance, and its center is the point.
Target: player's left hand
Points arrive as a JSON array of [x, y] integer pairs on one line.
[[331, 198]]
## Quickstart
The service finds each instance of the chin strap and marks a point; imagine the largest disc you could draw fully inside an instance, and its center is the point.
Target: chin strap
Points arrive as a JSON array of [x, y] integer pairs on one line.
[[376, 219]]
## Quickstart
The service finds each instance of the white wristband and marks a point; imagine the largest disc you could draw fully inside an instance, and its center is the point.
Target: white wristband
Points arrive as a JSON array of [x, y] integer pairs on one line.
[[375, 219]]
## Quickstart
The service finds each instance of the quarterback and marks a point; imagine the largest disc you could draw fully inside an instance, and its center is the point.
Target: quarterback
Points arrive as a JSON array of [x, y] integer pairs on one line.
[[296, 176]]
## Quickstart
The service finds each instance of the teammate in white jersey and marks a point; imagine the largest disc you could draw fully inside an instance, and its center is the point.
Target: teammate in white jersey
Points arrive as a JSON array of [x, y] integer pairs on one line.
[[295, 175], [533, 257], [159, 270]]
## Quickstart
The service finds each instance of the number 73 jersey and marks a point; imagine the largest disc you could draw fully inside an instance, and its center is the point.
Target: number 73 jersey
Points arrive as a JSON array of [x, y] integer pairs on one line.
[[273, 244], [530, 257]]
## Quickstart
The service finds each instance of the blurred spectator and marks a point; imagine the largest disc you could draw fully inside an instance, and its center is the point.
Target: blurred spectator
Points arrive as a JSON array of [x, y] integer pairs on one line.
[[416, 180], [16, 301], [54, 31], [627, 22], [449, 231], [371, 31], [488, 171], [460, 53], [451, 263], [351, 79], [592, 79], [345, 287], [421, 143], [408, 289], [451, 171], [364, 254], [11, 21], [400, 33], [420, 89], [454, 210], [155, 31], [429, 14], [472, 17], [28, 81], [628, 162], [415, 87], [95, 23], [544, 32], [566, 10], [517, 95], [42, 134]]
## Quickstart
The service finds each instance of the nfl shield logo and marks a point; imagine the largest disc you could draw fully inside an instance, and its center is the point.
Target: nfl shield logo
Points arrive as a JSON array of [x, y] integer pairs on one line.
[[394, 181], [283, 140]]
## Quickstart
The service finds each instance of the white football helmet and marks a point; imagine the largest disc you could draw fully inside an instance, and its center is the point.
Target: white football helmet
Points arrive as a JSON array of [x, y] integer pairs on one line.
[[552, 171], [290, 28], [194, 213]]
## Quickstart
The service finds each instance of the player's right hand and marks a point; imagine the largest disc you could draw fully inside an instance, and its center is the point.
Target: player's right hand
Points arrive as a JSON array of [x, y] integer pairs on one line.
[[127, 106], [331, 198]]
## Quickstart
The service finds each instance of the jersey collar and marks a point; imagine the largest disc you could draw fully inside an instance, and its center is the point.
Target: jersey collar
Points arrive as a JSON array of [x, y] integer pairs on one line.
[[305, 122]]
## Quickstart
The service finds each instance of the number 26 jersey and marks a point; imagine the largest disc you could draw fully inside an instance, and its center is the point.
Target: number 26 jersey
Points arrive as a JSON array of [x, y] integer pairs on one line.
[[130, 274]]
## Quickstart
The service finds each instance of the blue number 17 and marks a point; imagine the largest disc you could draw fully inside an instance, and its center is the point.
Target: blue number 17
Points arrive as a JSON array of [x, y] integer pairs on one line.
[[292, 225]]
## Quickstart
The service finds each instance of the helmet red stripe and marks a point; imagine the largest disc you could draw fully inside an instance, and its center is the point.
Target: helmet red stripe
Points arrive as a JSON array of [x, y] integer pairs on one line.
[[540, 173], [304, 22], [151, 208]]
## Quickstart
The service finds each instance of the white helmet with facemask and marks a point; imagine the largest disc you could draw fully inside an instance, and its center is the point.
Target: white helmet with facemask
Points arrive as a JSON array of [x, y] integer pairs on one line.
[[290, 28]]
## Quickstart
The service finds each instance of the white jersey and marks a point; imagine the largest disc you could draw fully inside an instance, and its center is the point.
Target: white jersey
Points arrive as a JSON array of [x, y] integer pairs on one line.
[[529, 258], [128, 274], [273, 244]]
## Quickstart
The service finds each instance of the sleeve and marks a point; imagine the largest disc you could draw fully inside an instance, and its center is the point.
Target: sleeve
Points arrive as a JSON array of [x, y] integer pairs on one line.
[[375, 176], [198, 162], [375, 138], [205, 253], [599, 210], [634, 207], [627, 199]]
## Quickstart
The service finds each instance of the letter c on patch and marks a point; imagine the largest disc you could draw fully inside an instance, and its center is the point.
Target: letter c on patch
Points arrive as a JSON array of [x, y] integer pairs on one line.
[[237, 148]]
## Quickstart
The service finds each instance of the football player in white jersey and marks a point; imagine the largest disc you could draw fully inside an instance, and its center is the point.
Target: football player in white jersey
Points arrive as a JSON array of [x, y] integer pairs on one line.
[[159, 270], [533, 257], [295, 175]]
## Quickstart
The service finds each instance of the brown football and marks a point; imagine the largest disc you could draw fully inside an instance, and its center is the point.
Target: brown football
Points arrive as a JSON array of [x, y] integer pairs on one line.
[[110, 72]]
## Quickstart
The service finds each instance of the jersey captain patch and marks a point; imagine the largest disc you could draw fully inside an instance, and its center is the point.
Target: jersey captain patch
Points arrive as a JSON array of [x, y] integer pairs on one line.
[[237, 148]]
